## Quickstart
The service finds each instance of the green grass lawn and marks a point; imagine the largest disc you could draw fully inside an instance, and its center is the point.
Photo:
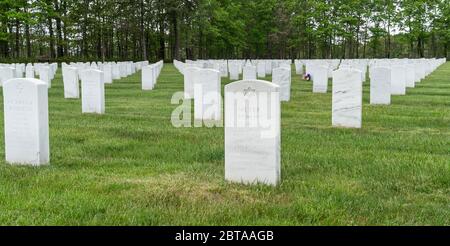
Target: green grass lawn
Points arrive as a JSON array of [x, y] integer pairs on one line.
[[132, 167]]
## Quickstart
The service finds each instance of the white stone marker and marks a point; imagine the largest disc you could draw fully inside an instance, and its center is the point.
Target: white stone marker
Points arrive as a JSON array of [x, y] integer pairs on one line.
[[298, 68], [71, 82], [261, 69], [207, 97], [419, 72], [44, 75], [107, 73], [148, 78], [123, 70], [282, 77], [234, 70], [252, 132], [29, 71], [398, 80], [249, 72], [347, 98], [19, 70], [380, 85], [7, 73], [410, 76], [115, 71], [189, 81], [320, 79], [93, 92], [26, 122], [268, 67]]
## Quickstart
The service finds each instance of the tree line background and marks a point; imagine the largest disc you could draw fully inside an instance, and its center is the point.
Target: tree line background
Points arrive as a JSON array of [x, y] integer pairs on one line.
[[84, 30]]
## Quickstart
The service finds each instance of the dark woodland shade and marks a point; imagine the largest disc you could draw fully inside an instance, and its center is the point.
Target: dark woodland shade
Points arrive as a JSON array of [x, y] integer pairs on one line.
[[64, 30]]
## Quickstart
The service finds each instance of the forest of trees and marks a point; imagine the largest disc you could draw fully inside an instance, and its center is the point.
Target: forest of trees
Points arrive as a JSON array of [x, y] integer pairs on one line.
[[83, 30]]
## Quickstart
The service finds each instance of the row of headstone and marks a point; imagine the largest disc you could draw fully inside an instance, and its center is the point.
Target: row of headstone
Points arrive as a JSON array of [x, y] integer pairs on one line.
[[46, 72], [281, 71], [252, 155], [387, 77], [234, 68], [404, 73], [150, 74], [93, 78], [26, 106]]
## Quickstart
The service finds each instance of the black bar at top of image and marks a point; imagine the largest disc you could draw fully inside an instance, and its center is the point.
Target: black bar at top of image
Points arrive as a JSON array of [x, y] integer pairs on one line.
[[214, 235]]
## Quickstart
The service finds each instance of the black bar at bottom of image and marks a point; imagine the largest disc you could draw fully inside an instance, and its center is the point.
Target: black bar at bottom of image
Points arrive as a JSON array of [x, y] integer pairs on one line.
[[212, 235]]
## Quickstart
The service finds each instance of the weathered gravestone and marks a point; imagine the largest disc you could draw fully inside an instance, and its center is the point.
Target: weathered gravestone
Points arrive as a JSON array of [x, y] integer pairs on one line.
[[320, 79], [347, 98], [92, 92], [380, 85], [398, 80], [71, 82], [282, 77], [26, 122], [189, 81], [249, 72], [148, 78], [252, 132], [207, 97]]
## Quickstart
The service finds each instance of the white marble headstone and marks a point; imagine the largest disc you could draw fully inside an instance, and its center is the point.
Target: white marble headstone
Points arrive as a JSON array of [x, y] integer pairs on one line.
[[189, 81], [398, 80], [419, 72], [93, 92], [282, 77], [298, 68], [107, 73], [261, 69], [29, 71], [320, 79], [249, 72], [44, 75], [71, 82], [410, 76], [347, 98], [207, 96], [268, 67], [6, 73], [234, 71], [115, 71], [380, 85], [252, 132], [26, 122], [148, 80]]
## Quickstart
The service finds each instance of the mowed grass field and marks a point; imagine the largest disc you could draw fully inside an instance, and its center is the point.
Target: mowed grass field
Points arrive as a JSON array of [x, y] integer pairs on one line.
[[132, 167]]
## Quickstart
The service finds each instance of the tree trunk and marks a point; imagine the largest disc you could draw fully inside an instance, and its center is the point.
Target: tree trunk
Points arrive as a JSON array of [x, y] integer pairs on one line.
[[28, 39], [66, 41], [17, 48], [84, 48], [52, 38], [176, 36], [143, 43], [60, 50]]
